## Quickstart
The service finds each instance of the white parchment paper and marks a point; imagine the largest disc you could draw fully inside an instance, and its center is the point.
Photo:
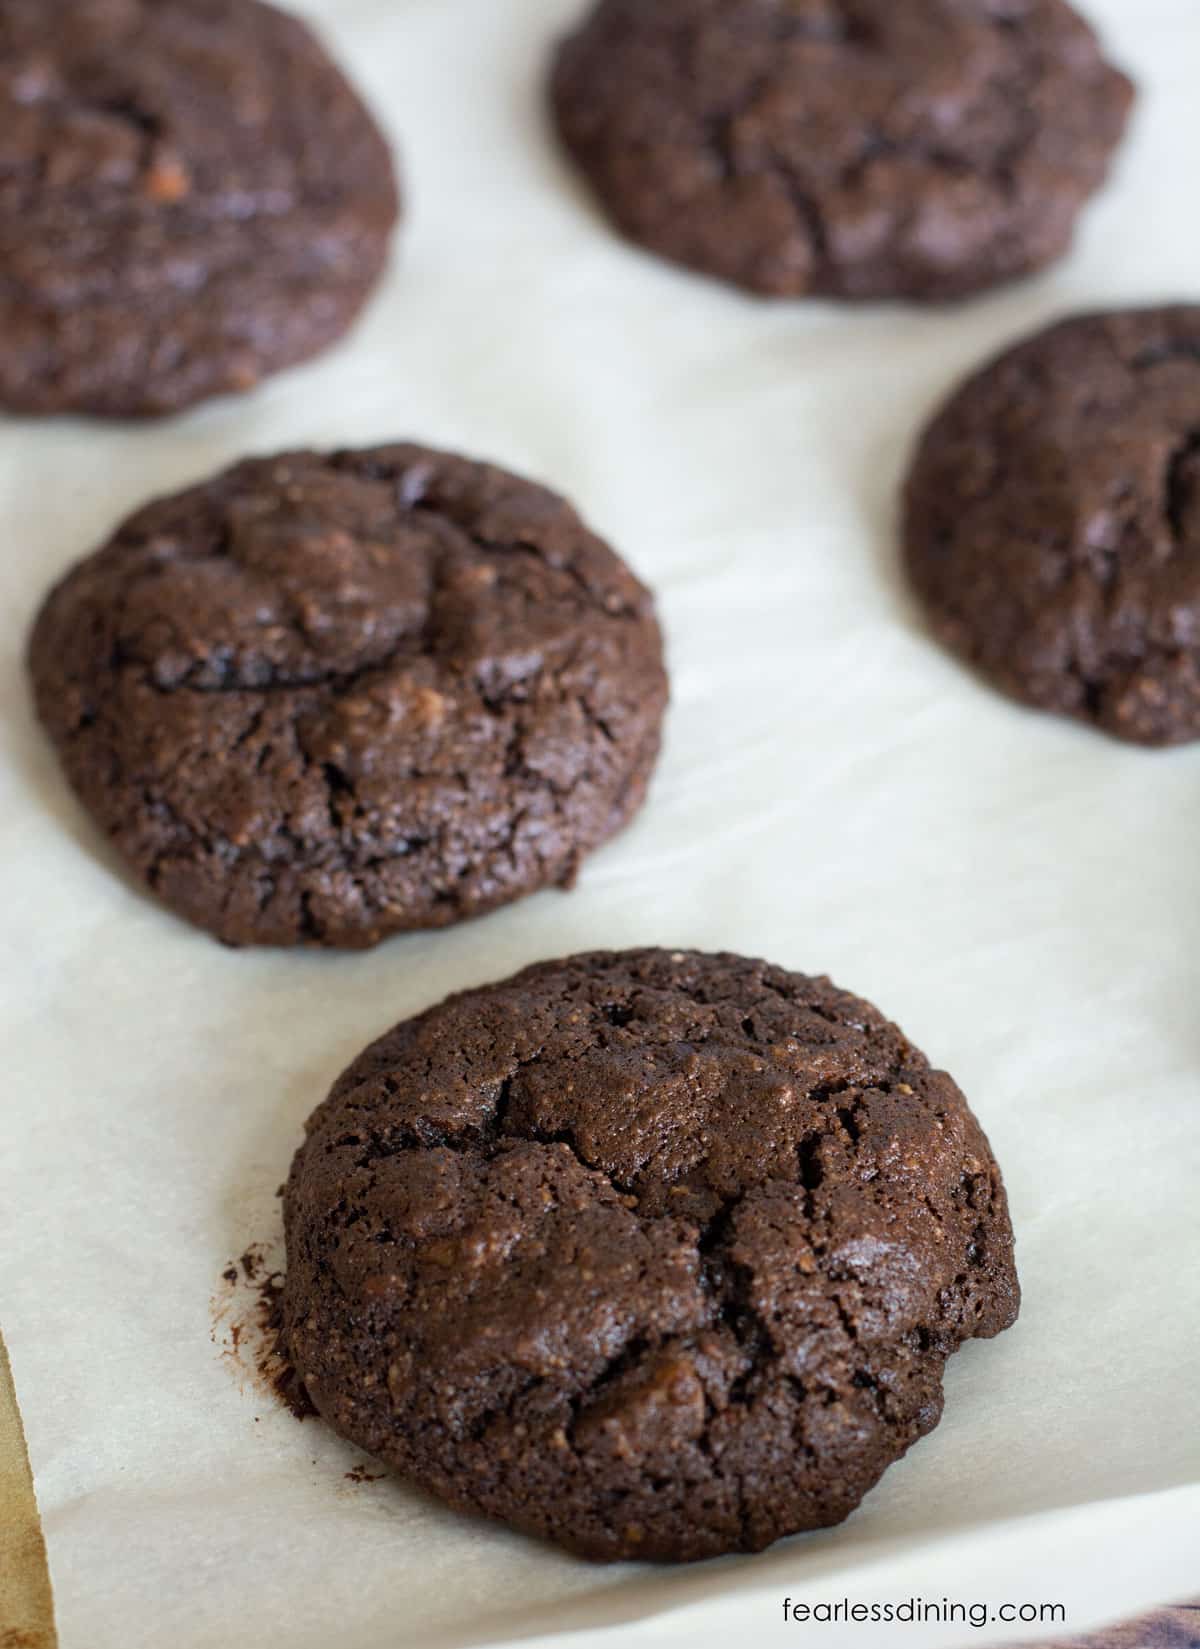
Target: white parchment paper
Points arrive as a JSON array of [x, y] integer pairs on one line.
[[835, 794]]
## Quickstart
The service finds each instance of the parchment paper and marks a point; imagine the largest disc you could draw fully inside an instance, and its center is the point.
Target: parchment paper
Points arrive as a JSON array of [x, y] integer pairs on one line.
[[835, 794]]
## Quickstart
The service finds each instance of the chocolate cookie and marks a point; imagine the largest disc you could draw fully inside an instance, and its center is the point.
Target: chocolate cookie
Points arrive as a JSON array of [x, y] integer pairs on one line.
[[848, 148], [191, 196], [1053, 522], [655, 1254], [323, 698]]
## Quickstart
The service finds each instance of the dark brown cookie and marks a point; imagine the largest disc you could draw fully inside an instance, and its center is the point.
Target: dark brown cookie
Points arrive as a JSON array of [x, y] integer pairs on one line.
[[654, 1254], [191, 196], [849, 148], [1053, 522], [323, 698]]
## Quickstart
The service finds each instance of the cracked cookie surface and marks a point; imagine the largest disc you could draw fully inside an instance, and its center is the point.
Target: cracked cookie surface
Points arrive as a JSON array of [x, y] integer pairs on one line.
[[1053, 522], [191, 196], [859, 149], [656, 1254], [322, 698]]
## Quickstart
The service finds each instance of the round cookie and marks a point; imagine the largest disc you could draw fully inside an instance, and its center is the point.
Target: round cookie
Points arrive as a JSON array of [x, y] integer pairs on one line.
[[1053, 522], [923, 149], [326, 697], [191, 197], [654, 1254]]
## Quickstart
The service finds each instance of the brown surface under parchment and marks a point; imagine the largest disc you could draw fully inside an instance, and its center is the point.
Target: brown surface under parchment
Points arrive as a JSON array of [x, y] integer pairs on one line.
[[26, 1606], [1169, 1629]]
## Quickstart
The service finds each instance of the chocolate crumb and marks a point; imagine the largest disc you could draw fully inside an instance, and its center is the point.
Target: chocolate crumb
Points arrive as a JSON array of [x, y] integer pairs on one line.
[[362, 1473], [247, 1325]]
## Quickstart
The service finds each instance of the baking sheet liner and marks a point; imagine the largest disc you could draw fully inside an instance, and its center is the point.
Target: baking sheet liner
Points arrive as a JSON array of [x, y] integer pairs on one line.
[[835, 794]]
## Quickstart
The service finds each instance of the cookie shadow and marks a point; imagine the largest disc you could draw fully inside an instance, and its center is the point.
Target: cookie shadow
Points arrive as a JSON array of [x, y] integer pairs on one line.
[[529, 106], [930, 353]]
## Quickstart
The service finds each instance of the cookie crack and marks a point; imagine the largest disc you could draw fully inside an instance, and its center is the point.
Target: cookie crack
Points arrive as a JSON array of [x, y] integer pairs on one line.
[[632, 1352], [1165, 354], [809, 210], [1182, 484], [728, 1284], [127, 108], [477, 1429]]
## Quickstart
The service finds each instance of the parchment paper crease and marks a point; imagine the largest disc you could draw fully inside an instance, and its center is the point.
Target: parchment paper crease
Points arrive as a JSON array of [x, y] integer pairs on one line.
[[836, 795]]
